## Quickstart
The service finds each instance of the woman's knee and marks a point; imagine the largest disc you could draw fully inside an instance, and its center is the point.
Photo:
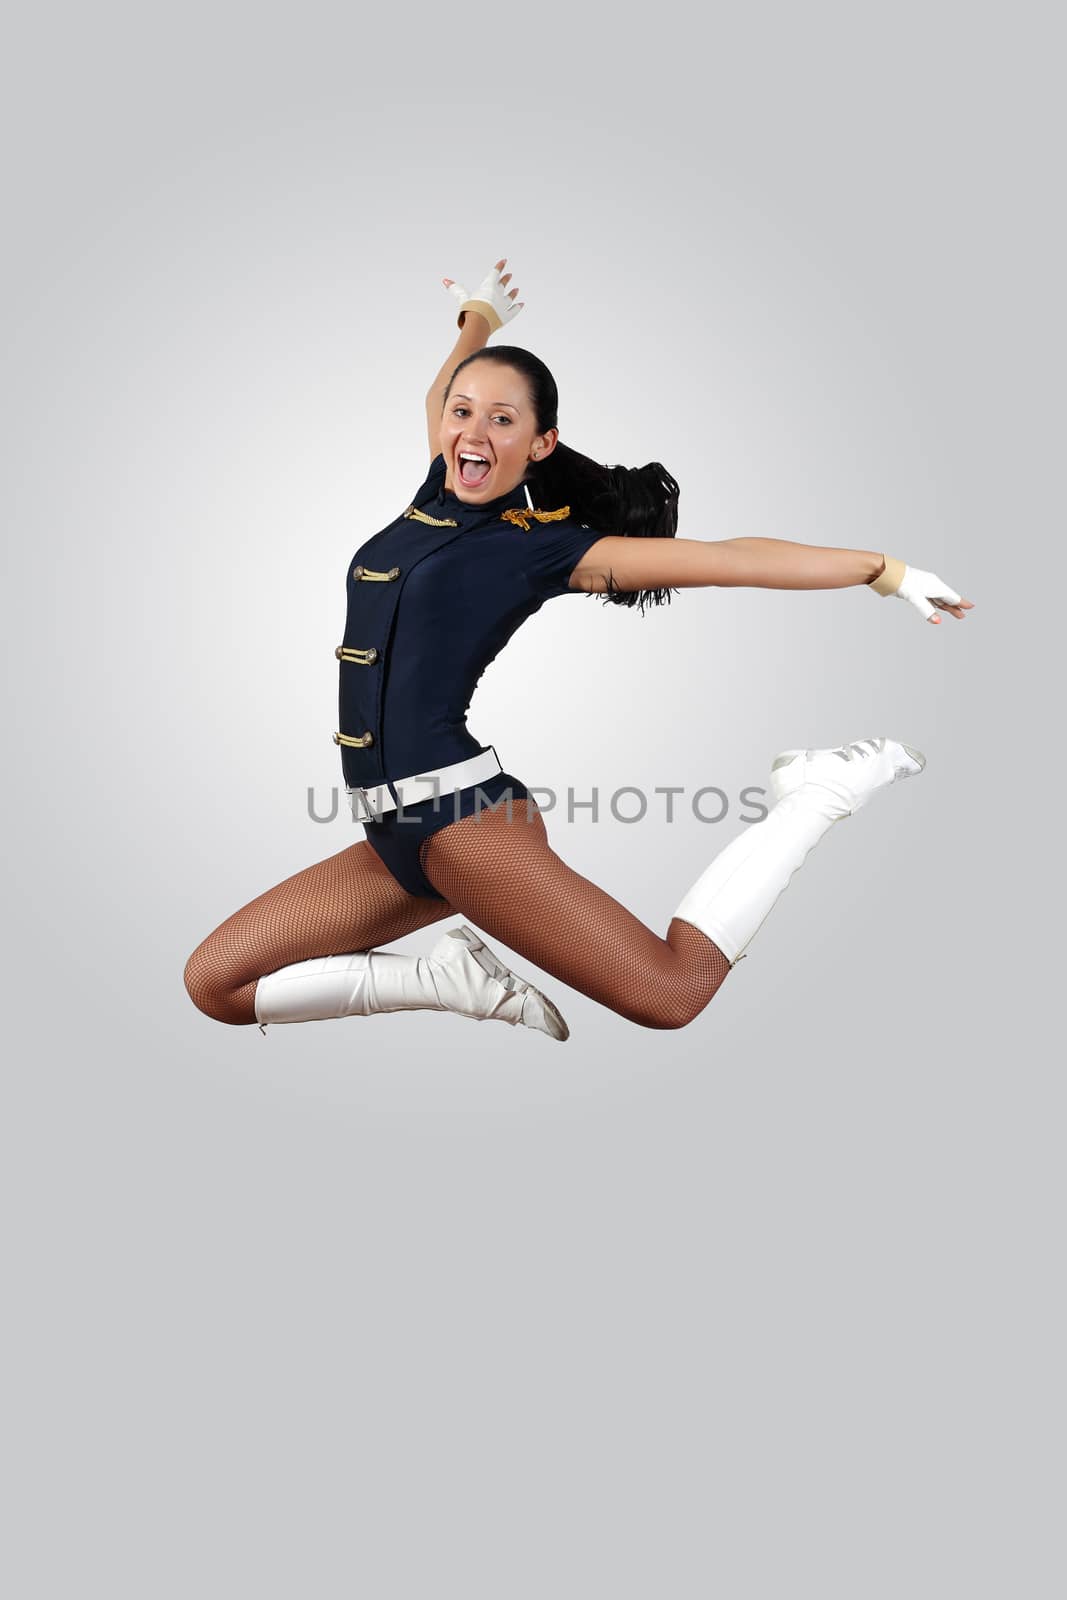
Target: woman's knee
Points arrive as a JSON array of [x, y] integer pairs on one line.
[[207, 985], [669, 1007]]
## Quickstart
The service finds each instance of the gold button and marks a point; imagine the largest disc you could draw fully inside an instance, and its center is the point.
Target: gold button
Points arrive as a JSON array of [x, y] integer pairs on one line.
[[372, 654], [357, 572], [394, 572], [339, 652]]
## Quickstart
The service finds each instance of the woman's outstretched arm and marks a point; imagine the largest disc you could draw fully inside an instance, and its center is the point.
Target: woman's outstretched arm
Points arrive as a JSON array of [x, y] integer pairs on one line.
[[635, 563], [728, 563]]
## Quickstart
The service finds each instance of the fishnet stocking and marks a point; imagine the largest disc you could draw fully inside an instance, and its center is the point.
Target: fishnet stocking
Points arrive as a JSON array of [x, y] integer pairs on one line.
[[503, 875], [346, 903]]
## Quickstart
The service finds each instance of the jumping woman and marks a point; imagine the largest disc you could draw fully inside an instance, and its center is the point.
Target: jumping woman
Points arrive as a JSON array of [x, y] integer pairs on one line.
[[507, 518]]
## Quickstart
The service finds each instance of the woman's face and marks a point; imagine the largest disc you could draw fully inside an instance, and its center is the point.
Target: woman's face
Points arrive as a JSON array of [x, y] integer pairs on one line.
[[489, 413]]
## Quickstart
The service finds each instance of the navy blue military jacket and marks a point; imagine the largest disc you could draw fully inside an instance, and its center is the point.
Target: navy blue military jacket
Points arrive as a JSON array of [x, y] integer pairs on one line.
[[429, 606]]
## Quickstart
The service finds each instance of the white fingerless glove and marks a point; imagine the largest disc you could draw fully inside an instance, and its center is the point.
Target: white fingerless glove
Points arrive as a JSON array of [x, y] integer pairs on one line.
[[492, 301], [914, 585]]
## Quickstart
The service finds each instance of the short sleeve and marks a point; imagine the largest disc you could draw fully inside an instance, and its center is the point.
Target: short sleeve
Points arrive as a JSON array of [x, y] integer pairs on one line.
[[554, 550]]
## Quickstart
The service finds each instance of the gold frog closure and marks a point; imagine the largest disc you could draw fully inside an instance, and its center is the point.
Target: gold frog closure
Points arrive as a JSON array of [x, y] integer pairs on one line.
[[435, 522], [362, 658], [520, 516]]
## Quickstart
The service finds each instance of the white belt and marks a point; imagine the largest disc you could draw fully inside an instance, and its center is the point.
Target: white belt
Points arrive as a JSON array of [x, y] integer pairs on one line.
[[427, 786]]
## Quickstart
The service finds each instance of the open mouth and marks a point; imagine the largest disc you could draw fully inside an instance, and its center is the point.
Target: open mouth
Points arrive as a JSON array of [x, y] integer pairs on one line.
[[473, 469]]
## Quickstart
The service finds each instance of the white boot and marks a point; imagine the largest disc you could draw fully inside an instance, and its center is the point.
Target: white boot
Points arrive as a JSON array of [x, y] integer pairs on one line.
[[814, 789], [460, 974]]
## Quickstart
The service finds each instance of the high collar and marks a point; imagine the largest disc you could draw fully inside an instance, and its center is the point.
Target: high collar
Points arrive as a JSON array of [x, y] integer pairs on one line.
[[447, 501]]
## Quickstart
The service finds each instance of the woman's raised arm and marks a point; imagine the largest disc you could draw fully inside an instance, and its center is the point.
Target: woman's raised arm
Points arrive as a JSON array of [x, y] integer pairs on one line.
[[630, 563], [480, 315]]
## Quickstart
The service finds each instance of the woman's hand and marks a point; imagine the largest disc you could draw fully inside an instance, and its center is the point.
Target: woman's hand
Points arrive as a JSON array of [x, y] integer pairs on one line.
[[493, 300], [923, 590]]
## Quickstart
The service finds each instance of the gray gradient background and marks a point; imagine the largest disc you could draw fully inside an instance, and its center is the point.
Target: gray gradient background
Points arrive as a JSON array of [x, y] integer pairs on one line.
[[772, 1305]]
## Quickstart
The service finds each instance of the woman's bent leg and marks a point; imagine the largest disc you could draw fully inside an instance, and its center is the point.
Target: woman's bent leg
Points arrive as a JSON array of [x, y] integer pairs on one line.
[[503, 874], [347, 903], [500, 870]]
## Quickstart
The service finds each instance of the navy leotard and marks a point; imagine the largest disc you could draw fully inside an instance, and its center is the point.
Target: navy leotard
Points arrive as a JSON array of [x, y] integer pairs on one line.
[[430, 604]]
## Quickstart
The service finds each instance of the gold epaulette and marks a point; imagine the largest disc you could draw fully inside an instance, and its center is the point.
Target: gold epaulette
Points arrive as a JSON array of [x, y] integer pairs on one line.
[[520, 516]]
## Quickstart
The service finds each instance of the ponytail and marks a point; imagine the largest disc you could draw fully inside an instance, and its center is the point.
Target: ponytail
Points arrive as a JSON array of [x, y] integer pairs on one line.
[[639, 502]]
